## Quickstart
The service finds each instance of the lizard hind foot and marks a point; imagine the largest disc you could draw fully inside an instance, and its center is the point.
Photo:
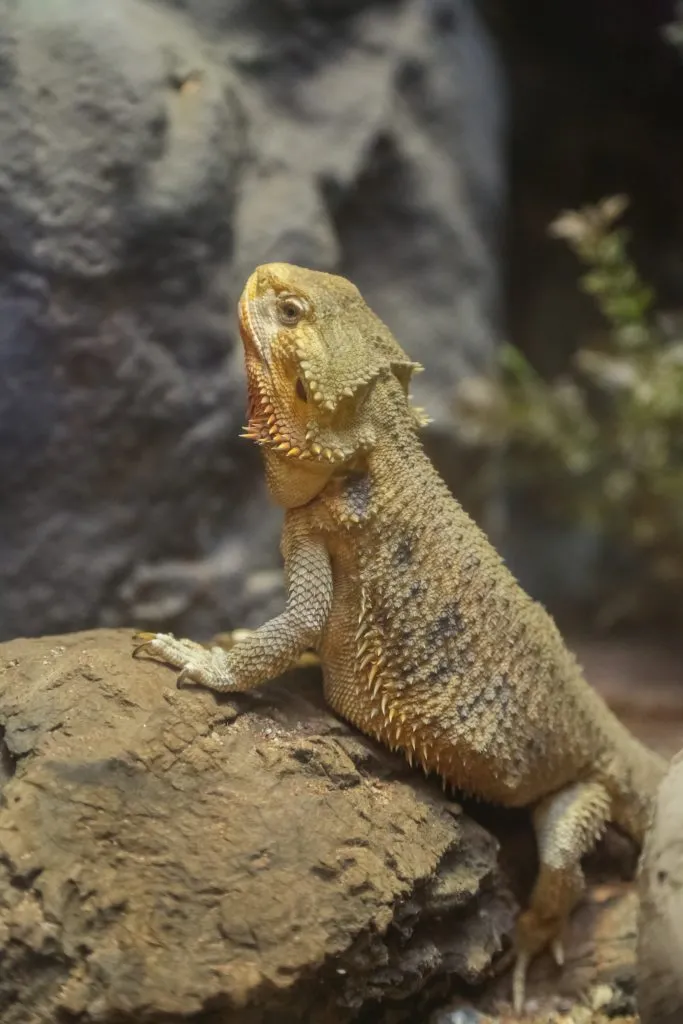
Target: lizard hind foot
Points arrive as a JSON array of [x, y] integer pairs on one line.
[[519, 972], [534, 936], [567, 823]]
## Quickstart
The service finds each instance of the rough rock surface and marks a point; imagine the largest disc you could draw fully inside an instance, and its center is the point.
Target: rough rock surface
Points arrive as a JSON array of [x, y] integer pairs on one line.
[[166, 855], [150, 155], [660, 938]]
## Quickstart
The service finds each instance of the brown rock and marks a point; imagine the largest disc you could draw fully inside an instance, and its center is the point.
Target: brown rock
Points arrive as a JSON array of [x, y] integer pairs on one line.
[[660, 937], [165, 854]]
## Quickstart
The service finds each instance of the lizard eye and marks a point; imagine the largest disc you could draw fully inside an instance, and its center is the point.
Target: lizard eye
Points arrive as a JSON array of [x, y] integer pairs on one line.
[[301, 390], [290, 309]]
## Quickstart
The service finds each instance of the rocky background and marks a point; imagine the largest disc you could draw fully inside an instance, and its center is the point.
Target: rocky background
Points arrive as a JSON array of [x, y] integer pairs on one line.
[[151, 155]]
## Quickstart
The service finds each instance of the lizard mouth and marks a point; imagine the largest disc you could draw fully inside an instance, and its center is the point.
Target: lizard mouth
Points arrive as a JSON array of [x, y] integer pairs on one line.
[[267, 429], [265, 425]]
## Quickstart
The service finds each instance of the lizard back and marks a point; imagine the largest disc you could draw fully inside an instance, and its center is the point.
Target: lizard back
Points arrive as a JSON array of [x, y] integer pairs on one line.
[[432, 646]]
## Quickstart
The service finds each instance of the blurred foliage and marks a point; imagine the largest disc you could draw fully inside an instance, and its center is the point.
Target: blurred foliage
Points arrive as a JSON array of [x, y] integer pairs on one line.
[[602, 446]]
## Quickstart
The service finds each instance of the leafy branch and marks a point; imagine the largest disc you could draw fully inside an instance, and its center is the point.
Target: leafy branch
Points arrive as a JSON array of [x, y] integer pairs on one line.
[[603, 444]]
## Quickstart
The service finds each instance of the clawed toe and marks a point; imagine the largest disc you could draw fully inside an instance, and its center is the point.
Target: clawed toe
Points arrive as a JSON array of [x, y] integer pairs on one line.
[[519, 981], [185, 677], [152, 643], [144, 644], [166, 647], [557, 950]]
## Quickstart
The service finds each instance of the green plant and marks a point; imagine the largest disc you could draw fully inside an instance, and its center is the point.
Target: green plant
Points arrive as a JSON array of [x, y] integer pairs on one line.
[[603, 445]]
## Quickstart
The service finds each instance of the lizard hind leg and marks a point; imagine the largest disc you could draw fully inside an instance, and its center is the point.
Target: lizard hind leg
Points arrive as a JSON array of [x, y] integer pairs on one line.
[[567, 825]]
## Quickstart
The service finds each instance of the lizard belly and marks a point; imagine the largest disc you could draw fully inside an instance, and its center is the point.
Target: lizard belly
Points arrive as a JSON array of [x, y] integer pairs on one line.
[[409, 664], [463, 748]]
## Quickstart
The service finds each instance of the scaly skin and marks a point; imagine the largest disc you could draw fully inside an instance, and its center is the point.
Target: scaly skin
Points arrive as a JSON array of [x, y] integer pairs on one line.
[[426, 640]]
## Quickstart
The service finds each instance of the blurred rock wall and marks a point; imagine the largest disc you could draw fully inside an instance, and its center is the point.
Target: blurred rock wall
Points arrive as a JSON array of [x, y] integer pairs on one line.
[[150, 156]]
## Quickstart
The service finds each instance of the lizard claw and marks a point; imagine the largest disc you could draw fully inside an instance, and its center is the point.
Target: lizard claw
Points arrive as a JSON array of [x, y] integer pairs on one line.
[[185, 678], [147, 640], [519, 980], [557, 950]]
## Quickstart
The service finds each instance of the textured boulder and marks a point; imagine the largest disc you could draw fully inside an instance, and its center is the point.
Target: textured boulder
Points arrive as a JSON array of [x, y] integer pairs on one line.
[[150, 155], [165, 854], [660, 931]]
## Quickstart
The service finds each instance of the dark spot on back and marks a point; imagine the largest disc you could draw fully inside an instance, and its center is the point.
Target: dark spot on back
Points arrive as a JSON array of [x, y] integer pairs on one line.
[[440, 671], [501, 690], [357, 494], [446, 626], [403, 553]]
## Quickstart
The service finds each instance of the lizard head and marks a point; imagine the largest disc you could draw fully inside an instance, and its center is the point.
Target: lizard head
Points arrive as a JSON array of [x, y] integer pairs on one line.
[[314, 352]]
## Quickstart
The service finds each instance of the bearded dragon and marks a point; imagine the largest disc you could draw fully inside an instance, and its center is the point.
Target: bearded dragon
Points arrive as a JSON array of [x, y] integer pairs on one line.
[[426, 640]]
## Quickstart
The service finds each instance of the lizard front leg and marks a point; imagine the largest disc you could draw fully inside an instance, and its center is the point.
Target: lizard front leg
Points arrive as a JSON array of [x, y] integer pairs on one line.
[[567, 825], [264, 653], [308, 659]]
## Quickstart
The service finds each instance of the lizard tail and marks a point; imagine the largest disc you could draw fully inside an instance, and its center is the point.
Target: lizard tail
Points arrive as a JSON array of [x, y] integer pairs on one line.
[[634, 788]]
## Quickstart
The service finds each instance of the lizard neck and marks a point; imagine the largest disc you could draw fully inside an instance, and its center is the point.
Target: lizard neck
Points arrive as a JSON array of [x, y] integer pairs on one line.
[[397, 453], [401, 470]]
